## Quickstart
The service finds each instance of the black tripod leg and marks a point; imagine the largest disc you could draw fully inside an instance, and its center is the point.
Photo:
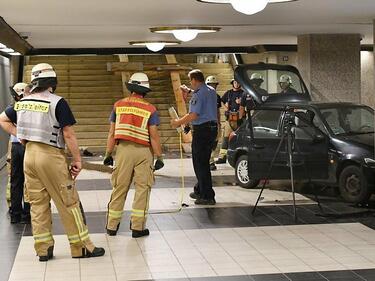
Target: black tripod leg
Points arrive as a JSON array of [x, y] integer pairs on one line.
[[310, 182], [268, 173], [290, 154]]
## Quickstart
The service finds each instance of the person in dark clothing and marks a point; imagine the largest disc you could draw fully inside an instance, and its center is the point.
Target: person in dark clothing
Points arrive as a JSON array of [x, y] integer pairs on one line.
[[19, 207], [203, 116], [232, 101], [213, 82], [285, 83]]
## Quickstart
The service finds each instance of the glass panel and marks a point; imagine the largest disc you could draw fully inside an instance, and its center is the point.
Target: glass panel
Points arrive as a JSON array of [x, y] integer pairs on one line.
[[275, 82], [266, 121], [349, 119]]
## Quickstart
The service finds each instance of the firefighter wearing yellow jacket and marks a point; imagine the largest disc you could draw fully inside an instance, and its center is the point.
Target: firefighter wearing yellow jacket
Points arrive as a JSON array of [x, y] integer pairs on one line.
[[133, 128], [44, 124]]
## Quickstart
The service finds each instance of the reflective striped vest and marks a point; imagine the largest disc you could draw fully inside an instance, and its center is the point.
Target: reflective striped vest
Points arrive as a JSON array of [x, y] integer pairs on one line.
[[36, 119], [132, 116]]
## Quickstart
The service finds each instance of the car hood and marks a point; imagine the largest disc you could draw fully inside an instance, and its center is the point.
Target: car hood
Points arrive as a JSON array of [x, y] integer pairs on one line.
[[363, 140]]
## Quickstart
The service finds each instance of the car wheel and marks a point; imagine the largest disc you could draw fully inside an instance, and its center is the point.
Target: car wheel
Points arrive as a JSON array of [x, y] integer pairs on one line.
[[353, 185], [242, 176]]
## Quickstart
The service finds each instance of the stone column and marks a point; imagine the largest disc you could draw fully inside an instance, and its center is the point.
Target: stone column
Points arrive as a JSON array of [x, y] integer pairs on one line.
[[330, 65]]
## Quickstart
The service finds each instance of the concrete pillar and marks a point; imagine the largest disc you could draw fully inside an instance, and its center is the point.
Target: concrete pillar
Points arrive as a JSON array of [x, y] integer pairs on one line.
[[367, 78], [330, 65]]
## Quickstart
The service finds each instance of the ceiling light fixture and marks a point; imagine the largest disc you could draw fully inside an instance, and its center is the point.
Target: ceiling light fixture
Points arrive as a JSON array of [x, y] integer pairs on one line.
[[15, 54], [2, 46], [154, 46], [185, 33], [7, 50], [248, 7]]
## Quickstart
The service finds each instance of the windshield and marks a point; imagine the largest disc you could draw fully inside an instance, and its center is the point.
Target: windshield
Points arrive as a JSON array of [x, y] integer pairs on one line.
[[349, 120], [275, 82]]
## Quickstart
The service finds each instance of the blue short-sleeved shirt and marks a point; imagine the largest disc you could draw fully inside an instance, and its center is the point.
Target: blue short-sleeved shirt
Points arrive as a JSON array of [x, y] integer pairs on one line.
[[153, 121], [204, 104]]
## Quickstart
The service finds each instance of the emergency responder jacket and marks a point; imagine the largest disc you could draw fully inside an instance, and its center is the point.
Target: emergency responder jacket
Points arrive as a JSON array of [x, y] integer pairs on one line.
[[132, 116], [36, 119]]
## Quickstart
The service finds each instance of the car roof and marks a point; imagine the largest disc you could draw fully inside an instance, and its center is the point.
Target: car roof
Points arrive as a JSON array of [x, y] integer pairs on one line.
[[306, 104]]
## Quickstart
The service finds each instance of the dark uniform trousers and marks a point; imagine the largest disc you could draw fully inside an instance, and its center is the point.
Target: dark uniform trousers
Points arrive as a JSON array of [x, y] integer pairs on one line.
[[17, 180], [204, 136]]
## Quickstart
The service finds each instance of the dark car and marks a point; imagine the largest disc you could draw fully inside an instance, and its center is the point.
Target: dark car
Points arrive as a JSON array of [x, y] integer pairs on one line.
[[333, 143]]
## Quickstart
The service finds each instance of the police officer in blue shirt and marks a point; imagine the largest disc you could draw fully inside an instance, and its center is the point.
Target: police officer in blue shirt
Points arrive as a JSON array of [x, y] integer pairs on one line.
[[203, 116]]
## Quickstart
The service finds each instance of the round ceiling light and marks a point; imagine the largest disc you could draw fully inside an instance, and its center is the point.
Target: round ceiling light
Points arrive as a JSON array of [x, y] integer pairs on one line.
[[185, 33], [7, 50], [154, 46], [229, 1], [248, 7]]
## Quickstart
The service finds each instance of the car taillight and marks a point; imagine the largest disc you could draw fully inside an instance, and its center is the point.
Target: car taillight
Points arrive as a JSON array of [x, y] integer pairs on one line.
[[232, 135]]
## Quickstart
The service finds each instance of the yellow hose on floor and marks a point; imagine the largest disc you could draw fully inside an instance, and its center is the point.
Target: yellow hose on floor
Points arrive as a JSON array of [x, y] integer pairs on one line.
[[182, 193]]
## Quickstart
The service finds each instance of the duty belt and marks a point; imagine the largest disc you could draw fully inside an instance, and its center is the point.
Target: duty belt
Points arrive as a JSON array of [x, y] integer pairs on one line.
[[205, 125]]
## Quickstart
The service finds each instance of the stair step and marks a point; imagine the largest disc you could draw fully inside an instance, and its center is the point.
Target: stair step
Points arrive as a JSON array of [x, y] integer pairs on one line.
[[92, 128], [75, 101], [115, 97], [92, 121]]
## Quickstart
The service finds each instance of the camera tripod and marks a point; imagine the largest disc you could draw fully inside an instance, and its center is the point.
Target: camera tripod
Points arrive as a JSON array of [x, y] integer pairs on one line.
[[287, 135]]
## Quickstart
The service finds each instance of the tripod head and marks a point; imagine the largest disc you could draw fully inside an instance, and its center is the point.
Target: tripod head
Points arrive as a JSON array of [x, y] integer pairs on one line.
[[287, 121]]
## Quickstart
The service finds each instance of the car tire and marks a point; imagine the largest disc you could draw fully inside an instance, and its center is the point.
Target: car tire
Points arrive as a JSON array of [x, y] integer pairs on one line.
[[242, 177], [353, 185]]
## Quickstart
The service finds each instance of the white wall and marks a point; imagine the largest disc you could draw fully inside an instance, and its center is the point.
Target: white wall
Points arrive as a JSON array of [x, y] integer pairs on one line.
[[5, 99]]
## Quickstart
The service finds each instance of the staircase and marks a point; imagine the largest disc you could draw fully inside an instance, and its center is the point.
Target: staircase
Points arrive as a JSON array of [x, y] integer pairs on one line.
[[91, 91]]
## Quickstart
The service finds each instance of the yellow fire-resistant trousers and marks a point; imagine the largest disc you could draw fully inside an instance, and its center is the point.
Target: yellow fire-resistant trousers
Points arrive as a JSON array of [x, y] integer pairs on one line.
[[224, 145], [133, 162], [47, 176]]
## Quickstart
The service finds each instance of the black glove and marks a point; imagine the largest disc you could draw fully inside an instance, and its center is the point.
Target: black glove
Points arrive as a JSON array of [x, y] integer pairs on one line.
[[159, 163], [187, 129], [240, 121], [108, 159]]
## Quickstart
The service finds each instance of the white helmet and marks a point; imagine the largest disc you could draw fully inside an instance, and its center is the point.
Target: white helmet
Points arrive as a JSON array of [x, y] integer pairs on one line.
[[257, 76], [139, 83], [42, 70], [43, 76], [285, 79], [212, 80], [18, 90]]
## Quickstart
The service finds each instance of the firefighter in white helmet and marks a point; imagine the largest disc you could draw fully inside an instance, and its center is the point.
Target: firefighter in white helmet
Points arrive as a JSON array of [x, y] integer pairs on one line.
[[285, 83], [247, 102], [44, 123], [232, 102], [19, 207], [134, 129], [213, 82]]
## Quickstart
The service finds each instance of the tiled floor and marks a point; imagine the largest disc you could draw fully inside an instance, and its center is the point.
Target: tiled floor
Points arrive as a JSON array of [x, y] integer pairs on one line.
[[223, 242], [209, 253]]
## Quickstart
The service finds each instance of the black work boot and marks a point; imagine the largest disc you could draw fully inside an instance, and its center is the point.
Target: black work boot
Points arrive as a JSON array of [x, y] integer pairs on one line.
[[16, 218], [194, 195], [97, 252], [140, 233], [26, 219], [49, 255], [213, 166], [113, 232], [202, 201], [221, 160]]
